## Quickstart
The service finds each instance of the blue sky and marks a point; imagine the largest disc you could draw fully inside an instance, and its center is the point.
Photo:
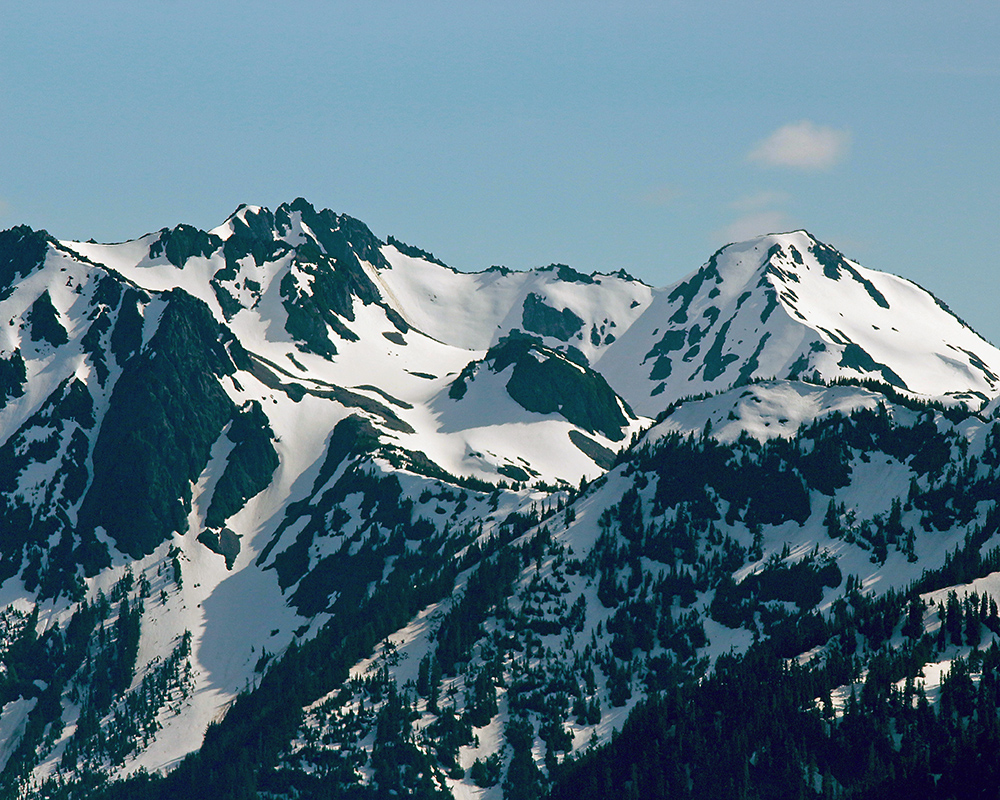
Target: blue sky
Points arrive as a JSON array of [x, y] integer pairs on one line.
[[640, 136]]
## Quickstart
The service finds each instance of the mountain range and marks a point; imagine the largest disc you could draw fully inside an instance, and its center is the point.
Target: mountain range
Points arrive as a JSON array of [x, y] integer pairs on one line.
[[287, 510]]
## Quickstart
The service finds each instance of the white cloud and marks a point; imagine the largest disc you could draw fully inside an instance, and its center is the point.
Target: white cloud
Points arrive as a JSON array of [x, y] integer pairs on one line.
[[802, 145], [756, 224]]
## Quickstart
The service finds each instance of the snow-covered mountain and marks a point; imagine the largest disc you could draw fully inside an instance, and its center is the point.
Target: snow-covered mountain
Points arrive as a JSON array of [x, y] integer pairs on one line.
[[467, 513], [788, 306]]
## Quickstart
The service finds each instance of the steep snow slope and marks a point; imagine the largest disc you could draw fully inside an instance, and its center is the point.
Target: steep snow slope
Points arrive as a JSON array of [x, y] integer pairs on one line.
[[476, 310], [785, 306], [764, 410], [375, 354]]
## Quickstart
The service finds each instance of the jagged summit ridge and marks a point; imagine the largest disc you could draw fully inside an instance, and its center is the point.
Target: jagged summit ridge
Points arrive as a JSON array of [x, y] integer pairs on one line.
[[782, 305]]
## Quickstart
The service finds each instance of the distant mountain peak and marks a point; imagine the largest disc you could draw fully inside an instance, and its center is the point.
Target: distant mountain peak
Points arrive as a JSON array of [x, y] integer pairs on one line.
[[787, 305]]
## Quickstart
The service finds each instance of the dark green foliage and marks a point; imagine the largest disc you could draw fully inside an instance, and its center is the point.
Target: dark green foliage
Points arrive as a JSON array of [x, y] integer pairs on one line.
[[224, 542], [385, 521], [700, 747], [242, 751], [524, 780], [672, 340], [390, 563], [449, 732], [827, 467], [12, 377], [400, 768], [546, 382], [913, 627], [686, 292], [834, 264], [932, 454], [888, 742], [799, 582], [715, 362], [481, 699], [385, 515], [22, 251], [134, 720], [44, 321], [779, 496], [24, 658], [428, 677], [127, 628], [336, 277], [764, 484], [92, 342], [540, 318], [182, 243], [29, 525], [462, 626], [167, 409], [75, 404], [58, 659], [251, 464], [126, 338], [555, 385], [856, 358], [34, 658], [486, 773], [342, 571], [598, 453]]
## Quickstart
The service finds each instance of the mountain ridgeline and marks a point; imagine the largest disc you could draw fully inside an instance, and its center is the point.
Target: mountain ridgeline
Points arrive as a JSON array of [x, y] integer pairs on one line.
[[290, 511]]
